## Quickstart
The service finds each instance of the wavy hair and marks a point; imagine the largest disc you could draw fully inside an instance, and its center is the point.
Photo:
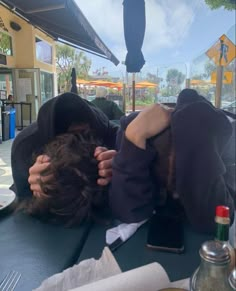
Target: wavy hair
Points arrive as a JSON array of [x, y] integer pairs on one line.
[[72, 194]]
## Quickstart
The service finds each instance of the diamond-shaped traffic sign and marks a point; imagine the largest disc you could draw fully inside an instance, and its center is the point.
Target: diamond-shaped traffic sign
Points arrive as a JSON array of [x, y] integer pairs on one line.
[[227, 78], [222, 52]]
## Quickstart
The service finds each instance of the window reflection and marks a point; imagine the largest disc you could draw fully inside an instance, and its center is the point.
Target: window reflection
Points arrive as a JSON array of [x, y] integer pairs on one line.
[[43, 51], [5, 44]]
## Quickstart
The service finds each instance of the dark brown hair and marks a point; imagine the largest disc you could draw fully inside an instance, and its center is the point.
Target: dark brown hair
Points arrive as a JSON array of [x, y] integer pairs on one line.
[[72, 194]]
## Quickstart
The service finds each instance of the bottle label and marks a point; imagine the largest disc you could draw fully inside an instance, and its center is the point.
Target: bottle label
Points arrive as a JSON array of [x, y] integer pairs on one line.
[[222, 220]]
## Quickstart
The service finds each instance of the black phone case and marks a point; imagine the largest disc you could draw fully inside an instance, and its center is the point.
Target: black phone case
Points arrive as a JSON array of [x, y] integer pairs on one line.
[[166, 233]]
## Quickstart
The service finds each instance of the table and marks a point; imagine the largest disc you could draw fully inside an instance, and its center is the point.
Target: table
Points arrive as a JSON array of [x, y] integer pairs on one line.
[[134, 253], [37, 250]]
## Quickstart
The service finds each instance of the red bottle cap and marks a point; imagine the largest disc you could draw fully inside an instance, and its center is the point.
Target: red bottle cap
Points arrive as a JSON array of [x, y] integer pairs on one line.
[[222, 211]]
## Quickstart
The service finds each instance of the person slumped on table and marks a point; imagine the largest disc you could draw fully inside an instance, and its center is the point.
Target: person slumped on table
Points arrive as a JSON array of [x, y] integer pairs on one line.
[[203, 162], [193, 167], [108, 107], [84, 125], [72, 193]]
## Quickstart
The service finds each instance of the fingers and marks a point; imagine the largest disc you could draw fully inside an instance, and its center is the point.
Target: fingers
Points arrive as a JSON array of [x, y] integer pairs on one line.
[[106, 155], [105, 173], [103, 165], [35, 177], [99, 150], [42, 162], [103, 181], [42, 159]]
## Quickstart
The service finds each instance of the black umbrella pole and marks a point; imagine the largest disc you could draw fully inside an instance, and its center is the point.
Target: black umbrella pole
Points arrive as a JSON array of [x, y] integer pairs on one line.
[[133, 93]]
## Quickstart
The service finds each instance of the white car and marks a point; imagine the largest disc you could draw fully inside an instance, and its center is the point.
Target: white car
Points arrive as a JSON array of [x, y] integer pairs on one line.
[[230, 107]]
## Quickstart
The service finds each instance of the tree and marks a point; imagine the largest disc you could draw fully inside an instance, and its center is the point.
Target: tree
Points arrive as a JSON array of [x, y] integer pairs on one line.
[[68, 58], [152, 78], [174, 79], [227, 4], [209, 68]]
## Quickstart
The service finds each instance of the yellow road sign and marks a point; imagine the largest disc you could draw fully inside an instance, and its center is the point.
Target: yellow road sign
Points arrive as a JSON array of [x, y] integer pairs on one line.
[[227, 78], [222, 52]]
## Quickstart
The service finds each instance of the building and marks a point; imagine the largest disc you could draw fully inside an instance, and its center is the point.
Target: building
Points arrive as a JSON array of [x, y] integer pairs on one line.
[[28, 32]]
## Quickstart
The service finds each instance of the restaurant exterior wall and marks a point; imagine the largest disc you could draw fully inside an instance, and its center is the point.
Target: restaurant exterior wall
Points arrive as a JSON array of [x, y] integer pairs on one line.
[[24, 65], [23, 41]]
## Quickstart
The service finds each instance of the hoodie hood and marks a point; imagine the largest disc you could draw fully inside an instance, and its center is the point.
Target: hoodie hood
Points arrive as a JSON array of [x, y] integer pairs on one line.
[[191, 107], [57, 114]]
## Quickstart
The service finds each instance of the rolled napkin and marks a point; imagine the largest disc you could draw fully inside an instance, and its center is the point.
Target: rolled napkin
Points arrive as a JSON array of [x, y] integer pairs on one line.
[[151, 277], [122, 232]]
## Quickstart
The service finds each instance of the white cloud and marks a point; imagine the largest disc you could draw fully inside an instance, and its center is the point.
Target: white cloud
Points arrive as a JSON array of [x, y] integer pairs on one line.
[[167, 23]]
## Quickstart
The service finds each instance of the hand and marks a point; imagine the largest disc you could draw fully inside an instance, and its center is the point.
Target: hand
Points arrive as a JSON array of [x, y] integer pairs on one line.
[[41, 164], [104, 156], [148, 123]]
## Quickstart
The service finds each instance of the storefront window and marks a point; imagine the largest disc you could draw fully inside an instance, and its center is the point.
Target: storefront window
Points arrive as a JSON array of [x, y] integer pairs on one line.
[[46, 82], [5, 44], [6, 87], [43, 51]]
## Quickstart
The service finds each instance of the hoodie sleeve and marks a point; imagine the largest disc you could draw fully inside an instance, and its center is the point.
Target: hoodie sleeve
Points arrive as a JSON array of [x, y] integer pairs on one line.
[[132, 189], [200, 169], [21, 160]]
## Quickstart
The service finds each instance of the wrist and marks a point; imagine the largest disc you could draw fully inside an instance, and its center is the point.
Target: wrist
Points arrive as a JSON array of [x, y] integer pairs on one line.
[[136, 137]]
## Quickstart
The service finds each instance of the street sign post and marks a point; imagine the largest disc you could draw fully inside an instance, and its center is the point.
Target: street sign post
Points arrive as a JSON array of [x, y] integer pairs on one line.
[[222, 53]]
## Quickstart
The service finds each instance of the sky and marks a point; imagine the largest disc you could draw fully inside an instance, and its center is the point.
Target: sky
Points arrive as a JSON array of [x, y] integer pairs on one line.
[[177, 31]]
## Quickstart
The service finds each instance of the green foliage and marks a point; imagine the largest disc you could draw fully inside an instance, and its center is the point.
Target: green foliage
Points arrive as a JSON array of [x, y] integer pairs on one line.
[[198, 77], [209, 69], [226, 4], [174, 79], [68, 58]]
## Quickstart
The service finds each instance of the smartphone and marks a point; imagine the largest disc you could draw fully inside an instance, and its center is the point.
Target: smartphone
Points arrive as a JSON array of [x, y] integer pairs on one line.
[[166, 233]]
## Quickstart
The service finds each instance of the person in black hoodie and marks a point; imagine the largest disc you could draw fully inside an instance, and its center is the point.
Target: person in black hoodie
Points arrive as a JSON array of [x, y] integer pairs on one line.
[[56, 117], [203, 140], [201, 137]]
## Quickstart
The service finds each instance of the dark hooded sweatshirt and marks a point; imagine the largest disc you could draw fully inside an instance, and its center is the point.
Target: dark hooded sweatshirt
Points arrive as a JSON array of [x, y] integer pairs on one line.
[[204, 144], [55, 117]]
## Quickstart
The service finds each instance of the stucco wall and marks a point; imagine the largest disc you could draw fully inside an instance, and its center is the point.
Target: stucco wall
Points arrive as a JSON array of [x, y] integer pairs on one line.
[[23, 41]]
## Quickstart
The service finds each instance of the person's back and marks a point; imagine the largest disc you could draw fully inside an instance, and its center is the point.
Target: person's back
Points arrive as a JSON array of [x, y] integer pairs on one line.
[[110, 108]]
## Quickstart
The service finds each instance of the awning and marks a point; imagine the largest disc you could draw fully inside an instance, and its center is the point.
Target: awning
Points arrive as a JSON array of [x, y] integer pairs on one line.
[[65, 22]]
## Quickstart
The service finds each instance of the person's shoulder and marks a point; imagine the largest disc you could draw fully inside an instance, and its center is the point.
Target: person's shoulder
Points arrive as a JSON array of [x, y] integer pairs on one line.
[[24, 137]]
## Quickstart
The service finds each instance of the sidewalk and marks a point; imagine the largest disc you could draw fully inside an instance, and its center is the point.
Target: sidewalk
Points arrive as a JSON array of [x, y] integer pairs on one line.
[[5, 164]]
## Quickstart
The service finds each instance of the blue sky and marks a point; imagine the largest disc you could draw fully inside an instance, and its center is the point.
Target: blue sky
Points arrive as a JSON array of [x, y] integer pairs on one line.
[[177, 31]]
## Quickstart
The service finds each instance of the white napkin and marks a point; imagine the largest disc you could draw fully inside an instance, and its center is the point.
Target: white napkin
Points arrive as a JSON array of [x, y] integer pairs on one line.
[[123, 231], [85, 272]]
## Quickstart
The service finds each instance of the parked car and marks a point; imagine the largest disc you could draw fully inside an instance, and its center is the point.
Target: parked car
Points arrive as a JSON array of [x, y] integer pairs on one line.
[[230, 107]]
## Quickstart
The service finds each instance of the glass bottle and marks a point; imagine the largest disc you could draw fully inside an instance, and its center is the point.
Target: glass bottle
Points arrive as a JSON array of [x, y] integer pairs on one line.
[[212, 274], [222, 231]]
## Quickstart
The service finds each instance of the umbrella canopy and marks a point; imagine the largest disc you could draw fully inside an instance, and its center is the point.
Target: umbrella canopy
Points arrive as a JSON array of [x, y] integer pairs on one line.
[[82, 82], [73, 82], [64, 21], [101, 83], [146, 85], [134, 29]]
